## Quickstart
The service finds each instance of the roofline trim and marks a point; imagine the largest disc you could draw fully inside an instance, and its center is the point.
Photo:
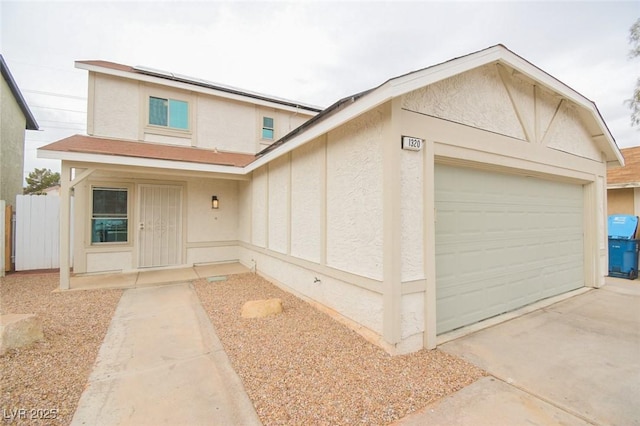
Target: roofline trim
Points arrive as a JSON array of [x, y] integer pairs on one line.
[[224, 88], [406, 83], [120, 160], [626, 185], [187, 83]]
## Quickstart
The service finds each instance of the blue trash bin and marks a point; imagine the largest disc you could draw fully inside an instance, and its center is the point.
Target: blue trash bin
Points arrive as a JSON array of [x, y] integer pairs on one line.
[[623, 248]]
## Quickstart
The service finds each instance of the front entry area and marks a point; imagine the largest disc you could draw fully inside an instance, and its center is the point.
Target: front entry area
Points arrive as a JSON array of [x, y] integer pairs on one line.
[[160, 225], [502, 242]]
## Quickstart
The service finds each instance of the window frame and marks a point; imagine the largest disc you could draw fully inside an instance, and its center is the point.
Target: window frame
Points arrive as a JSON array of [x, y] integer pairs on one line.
[[92, 215], [272, 128], [146, 130], [169, 101]]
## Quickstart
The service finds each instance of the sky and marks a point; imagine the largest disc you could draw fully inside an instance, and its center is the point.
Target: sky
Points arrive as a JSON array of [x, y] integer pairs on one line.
[[315, 52]]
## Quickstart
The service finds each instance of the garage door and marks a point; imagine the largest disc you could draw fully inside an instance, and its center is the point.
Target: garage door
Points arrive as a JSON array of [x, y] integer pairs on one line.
[[502, 242]]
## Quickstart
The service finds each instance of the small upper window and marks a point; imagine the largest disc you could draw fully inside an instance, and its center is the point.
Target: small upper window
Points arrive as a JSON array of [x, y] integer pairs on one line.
[[267, 128], [168, 113]]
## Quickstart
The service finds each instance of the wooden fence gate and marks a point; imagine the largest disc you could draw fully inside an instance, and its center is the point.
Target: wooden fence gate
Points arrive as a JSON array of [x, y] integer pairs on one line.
[[37, 232]]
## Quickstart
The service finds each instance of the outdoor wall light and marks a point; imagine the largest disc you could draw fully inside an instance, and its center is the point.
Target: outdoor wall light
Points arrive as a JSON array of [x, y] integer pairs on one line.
[[214, 201]]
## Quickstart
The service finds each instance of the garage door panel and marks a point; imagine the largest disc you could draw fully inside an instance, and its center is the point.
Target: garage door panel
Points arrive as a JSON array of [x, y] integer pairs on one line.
[[502, 242]]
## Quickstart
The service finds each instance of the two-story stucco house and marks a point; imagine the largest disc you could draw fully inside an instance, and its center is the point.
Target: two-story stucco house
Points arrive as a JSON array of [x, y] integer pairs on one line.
[[436, 200]]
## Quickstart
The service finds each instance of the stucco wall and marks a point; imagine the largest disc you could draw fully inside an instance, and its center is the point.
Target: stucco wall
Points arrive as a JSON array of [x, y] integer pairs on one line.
[[315, 223], [114, 107], [354, 196], [225, 125], [12, 133], [567, 133], [357, 304], [459, 98], [204, 223], [244, 211], [278, 225], [307, 180], [493, 98], [412, 213], [118, 108], [259, 207]]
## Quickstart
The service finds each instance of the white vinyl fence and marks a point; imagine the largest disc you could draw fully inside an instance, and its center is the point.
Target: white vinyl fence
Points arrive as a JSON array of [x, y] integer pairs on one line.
[[2, 237], [37, 232]]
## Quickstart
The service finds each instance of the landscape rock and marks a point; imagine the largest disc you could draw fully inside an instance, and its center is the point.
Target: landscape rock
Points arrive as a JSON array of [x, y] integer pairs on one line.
[[18, 330], [261, 308]]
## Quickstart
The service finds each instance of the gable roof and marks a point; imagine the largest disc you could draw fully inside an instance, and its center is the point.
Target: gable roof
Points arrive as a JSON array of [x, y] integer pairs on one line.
[[352, 106], [145, 73], [629, 175], [13, 86]]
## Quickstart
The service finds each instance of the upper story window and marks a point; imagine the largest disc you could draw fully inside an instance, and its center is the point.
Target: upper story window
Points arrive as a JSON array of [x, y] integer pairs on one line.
[[169, 113], [267, 128], [109, 216]]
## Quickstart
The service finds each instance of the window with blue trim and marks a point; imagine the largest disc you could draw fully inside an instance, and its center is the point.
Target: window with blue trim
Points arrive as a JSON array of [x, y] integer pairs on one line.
[[169, 113]]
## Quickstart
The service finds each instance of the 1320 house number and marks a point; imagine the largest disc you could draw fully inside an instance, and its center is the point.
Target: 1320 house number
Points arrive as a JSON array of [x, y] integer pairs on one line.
[[410, 143]]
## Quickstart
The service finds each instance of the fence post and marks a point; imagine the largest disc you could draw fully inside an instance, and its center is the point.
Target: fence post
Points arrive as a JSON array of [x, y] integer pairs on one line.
[[2, 238], [8, 238]]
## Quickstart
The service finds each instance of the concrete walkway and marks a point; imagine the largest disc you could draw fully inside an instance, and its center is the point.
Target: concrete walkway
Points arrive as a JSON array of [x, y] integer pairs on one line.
[[146, 278], [162, 363], [575, 362]]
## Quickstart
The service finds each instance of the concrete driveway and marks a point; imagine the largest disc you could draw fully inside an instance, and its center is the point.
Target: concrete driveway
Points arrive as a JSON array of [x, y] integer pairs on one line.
[[574, 362]]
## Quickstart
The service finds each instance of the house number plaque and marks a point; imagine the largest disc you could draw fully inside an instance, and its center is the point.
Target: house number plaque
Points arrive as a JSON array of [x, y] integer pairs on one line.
[[412, 144]]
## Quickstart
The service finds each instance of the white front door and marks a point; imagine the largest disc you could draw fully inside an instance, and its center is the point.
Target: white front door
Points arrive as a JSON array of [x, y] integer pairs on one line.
[[160, 225]]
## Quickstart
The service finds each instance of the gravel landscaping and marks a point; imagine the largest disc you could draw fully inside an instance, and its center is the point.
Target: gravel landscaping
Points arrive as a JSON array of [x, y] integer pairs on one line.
[[299, 367], [51, 374], [303, 367]]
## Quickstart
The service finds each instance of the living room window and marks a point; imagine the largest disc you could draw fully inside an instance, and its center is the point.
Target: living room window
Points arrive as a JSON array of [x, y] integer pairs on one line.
[[109, 217], [267, 128], [169, 113]]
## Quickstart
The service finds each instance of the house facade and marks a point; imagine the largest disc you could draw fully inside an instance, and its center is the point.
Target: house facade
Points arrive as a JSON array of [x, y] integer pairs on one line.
[[436, 200], [15, 119], [623, 185]]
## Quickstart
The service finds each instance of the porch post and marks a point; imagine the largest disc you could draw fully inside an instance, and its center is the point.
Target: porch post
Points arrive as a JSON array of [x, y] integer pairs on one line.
[[65, 226]]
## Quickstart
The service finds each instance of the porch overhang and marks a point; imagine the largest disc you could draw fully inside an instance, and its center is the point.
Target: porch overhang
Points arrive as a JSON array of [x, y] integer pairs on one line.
[[108, 153]]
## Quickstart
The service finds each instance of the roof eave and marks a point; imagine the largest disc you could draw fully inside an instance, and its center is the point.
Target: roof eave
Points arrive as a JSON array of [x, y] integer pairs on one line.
[[238, 95], [409, 82], [83, 157], [31, 123], [625, 185]]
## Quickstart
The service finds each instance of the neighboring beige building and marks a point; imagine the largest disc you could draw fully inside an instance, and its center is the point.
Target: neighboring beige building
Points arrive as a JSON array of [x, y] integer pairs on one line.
[[623, 185], [431, 202], [15, 117]]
